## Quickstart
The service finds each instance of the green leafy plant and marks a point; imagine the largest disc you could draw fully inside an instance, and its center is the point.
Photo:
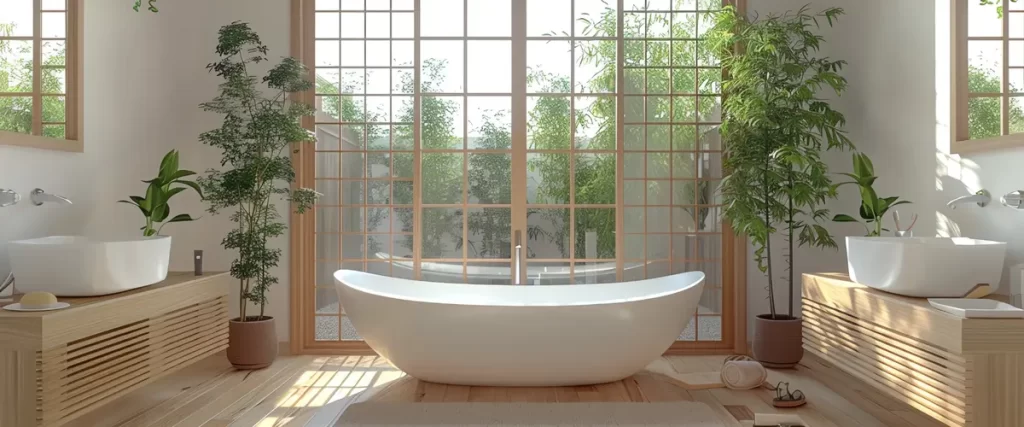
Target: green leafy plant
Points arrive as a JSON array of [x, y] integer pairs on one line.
[[775, 127], [872, 207], [155, 205], [152, 6], [254, 139]]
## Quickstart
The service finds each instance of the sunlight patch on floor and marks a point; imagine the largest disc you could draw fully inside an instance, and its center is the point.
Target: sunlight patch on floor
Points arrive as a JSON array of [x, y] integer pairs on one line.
[[336, 380]]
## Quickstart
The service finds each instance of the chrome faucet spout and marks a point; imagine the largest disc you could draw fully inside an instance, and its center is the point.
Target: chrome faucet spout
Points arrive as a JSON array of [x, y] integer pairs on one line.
[[982, 198], [39, 197]]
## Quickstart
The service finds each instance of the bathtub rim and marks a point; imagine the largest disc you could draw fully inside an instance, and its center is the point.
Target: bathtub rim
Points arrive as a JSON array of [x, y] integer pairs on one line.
[[698, 278]]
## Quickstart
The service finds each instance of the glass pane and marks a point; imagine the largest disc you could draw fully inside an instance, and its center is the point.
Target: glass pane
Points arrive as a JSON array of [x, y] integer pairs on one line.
[[442, 178], [327, 4], [353, 192], [1016, 115], [55, 5], [353, 4], [16, 18], [595, 18], [16, 114], [658, 165], [378, 220], [595, 66], [54, 131], [53, 53], [548, 123], [595, 233], [985, 19], [595, 123], [327, 301], [490, 18], [1016, 25], [326, 328], [378, 25], [490, 178], [353, 53], [441, 70], [490, 233], [441, 18], [547, 232], [659, 192], [549, 65], [548, 18], [490, 66], [984, 116], [53, 109], [595, 178], [659, 220], [490, 122], [985, 60], [377, 53], [402, 25], [442, 233], [547, 178], [353, 25], [326, 25], [402, 53], [16, 66], [488, 273], [442, 122], [352, 219], [684, 53], [378, 192], [402, 82], [327, 53]]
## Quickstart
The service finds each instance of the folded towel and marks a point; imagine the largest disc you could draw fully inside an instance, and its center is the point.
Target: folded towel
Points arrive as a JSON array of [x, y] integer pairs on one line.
[[743, 374]]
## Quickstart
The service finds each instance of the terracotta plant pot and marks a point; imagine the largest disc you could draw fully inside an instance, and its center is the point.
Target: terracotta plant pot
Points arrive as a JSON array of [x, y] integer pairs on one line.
[[778, 343], [252, 344]]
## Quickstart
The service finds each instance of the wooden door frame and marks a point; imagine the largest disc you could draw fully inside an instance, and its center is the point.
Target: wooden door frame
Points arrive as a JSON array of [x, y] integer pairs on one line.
[[303, 249]]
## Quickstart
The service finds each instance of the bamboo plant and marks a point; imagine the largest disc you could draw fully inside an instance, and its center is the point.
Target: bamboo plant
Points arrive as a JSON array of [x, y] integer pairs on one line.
[[255, 140], [775, 127]]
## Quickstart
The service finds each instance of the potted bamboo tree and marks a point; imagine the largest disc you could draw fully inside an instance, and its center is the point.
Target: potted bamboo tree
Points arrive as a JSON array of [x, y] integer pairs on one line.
[[775, 128], [255, 139]]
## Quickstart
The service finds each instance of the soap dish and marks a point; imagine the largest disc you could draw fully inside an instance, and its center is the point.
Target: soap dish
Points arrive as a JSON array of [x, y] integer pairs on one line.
[[976, 308], [18, 307]]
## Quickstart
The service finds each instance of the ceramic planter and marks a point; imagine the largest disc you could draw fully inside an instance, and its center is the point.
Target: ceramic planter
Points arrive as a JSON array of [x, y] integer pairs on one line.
[[778, 343], [252, 344]]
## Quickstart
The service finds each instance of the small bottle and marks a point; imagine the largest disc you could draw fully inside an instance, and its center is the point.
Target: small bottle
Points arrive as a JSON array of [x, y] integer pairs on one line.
[[198, 258]]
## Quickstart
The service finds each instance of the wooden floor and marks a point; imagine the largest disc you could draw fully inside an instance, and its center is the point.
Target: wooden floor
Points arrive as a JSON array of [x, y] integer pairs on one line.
[[312, 391]]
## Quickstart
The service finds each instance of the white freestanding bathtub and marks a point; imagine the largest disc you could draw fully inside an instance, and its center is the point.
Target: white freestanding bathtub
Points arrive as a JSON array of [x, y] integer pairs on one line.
[[499, 335]]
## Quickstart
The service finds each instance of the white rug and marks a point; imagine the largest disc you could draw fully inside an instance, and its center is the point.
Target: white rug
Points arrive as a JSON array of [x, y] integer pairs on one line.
[[689, 414]]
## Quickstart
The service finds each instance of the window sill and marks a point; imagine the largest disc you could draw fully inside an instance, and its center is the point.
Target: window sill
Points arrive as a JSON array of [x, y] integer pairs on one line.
[[40, 142]]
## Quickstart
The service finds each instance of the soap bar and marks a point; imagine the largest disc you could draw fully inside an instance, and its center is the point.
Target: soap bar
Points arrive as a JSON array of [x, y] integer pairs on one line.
[[37, 300]]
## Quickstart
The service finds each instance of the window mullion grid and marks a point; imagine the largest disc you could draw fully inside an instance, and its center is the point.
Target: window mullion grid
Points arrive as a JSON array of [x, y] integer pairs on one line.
[[620, 114], [465, 140], [646, 127], [671, 147], [572, 141], [1005, 123], [37, 67]]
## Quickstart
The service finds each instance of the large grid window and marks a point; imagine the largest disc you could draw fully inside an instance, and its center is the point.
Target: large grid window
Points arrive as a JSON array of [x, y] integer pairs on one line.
[[39, 77], [451, 131]]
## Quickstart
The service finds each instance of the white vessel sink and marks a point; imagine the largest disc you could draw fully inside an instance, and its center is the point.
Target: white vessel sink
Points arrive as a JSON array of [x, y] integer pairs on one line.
[[925, 266], [76, 266]]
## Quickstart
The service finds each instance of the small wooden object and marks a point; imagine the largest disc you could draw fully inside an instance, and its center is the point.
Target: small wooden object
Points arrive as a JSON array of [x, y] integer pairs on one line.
[[961, 372], [57, 365]]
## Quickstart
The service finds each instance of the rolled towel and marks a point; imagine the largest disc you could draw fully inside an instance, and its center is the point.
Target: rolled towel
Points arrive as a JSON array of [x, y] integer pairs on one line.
[[743, 374]]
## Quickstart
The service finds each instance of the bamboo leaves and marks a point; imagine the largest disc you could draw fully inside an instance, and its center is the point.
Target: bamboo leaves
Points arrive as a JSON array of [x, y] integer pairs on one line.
[[775, 126], [255, 139]]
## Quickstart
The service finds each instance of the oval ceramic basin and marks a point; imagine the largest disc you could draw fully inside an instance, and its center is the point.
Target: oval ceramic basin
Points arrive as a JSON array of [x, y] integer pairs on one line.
[[76, 266], [930, 267]]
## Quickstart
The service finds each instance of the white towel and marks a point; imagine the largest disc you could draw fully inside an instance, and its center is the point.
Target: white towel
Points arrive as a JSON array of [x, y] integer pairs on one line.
[[743, 374]]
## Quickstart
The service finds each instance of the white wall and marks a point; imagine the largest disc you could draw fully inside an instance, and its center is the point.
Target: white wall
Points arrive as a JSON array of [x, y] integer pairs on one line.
[[897, 108], [145, 77]]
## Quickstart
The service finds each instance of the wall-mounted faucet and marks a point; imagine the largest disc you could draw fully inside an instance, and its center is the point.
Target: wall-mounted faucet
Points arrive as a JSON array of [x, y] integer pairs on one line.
[[39, 197], [982, 198], [1013, 199], [9, 198]]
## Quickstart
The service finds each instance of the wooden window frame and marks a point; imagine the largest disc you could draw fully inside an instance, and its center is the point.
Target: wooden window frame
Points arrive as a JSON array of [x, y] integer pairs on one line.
[[303, 246], [961, 142], [74, 74]]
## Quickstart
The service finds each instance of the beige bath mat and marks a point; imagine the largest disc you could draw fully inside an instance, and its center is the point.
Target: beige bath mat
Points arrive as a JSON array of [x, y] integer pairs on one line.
[[689, 414]]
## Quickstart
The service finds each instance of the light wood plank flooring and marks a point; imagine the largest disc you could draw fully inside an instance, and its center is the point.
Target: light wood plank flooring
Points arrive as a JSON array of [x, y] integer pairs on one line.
[[312, 391]]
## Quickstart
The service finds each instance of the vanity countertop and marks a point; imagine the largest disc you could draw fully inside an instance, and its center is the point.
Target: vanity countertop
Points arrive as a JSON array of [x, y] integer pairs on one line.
[[174, 279], [915, 317]]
